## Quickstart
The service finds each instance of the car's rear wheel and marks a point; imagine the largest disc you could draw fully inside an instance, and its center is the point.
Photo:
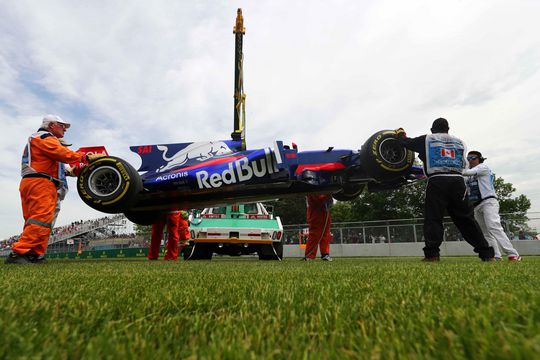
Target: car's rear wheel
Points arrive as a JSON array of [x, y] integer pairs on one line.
[[109, 184], [384, 158], [349, 192]]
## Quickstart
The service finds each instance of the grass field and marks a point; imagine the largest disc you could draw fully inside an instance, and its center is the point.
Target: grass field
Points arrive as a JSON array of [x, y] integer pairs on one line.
[[243, 308]]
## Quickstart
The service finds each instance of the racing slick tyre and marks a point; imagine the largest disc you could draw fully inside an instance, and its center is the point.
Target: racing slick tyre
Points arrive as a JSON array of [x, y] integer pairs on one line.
[[143, 217], [384, 158], [109, 184], [349, 192]]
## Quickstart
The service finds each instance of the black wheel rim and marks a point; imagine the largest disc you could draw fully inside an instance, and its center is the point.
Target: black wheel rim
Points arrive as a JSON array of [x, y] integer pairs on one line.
[[392, 152], [104, 181]]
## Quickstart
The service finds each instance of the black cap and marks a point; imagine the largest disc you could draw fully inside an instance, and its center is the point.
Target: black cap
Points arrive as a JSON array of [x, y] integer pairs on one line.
[[477, 153], [440, 125]]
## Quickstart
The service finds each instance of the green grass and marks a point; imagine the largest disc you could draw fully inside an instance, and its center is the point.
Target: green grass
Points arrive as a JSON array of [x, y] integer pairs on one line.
[[243, 308]]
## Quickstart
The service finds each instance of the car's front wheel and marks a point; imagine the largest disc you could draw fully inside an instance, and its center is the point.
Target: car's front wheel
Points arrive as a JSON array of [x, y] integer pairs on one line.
[[109, 184]]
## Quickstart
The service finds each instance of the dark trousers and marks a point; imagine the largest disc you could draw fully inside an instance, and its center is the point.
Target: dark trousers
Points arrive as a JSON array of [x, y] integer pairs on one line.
[[449, 193]]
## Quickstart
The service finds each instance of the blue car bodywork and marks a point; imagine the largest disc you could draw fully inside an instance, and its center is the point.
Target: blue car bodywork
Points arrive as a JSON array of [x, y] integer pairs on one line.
[[203, 174]]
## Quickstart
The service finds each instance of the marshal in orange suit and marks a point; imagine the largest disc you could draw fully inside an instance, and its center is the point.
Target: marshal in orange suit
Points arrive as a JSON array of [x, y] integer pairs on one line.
[[42, 174], [319, 221], [177, 228]]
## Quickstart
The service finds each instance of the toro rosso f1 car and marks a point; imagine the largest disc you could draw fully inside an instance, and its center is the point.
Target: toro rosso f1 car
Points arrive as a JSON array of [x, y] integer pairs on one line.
[[203, 174]]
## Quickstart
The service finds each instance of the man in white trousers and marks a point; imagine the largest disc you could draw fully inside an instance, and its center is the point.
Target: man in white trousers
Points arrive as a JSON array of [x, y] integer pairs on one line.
[[480, 180]]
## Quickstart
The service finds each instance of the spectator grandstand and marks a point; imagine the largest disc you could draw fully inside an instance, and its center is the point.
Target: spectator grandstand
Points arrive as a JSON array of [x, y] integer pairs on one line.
[[82, 231]]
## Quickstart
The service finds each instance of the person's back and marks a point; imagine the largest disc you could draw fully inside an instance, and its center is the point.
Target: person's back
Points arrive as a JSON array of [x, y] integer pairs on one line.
[[445, 154]]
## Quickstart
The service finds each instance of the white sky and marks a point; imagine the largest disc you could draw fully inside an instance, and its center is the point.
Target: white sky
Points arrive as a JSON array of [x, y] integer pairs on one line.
[[319, 73]]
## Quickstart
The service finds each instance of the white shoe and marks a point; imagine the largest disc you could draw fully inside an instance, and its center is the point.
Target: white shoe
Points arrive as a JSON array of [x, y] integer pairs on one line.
[[326, 258], [514, 258]]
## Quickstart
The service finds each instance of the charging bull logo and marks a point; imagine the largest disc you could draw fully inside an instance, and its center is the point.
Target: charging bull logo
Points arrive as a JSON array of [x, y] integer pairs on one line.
[[200, 151]]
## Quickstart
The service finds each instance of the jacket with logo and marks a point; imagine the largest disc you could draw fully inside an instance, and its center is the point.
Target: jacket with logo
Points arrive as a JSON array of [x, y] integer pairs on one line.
[[44, 154]]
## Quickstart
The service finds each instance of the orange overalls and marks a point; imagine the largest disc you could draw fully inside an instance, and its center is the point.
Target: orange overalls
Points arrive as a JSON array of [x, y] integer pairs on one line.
[[184, 232], [173, 222], [319, 221], [41, 171]]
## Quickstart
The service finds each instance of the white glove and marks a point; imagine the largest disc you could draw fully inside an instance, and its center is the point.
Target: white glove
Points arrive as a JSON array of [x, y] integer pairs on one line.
[[68, 170], [94, 157]]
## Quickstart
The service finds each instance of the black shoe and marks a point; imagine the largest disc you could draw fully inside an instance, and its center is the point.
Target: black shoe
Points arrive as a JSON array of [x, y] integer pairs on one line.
[[36, 259], [16, 258], [431, 259]]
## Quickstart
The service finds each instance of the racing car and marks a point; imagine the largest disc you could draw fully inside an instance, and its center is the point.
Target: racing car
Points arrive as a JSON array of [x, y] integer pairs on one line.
[[204, 174], [213, 173]]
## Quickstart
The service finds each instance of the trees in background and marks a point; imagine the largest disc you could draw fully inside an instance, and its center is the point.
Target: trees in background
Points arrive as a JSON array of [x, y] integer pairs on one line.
[[291, 210], [516, 206], [405, 202]]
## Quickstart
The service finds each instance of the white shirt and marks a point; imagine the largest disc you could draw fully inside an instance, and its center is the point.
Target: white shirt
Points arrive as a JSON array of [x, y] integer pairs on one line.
[[480, 182]]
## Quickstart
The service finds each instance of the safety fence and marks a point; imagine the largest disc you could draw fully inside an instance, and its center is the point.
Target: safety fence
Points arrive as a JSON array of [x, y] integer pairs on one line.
[[102, 254], [79, 244], [367, 233], [517, 227]]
